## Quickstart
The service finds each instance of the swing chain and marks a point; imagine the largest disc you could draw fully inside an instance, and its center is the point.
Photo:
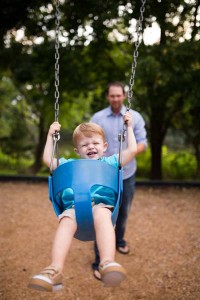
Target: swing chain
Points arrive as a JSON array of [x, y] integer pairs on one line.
[[122, 135], [121, 138], [57, 57], [136, 53], [56, 135]]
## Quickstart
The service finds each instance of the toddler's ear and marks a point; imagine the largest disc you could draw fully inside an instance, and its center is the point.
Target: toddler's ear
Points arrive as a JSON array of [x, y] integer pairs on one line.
[[105, 146], [76, 150]]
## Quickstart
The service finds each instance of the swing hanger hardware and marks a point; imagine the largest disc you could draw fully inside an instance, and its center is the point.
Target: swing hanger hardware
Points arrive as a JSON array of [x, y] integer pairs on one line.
[[121, 138], [56, 136], [122, 135]]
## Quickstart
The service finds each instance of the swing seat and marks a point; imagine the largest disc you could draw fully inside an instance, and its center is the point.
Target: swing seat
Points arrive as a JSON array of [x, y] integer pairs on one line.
[[80, 175]]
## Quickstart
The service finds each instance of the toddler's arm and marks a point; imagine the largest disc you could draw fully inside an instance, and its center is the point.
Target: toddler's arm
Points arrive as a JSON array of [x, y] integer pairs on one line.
[[48, 149], [129, 153]]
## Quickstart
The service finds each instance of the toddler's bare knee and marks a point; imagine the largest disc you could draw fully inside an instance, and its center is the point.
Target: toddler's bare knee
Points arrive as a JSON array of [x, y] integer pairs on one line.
[[68, 221], [100, 213]]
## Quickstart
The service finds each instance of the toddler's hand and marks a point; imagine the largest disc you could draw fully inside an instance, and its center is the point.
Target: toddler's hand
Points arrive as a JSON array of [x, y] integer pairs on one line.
[[128, 118], [55, 126]]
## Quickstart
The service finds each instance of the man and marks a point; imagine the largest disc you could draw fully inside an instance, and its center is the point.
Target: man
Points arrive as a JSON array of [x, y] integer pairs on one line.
[[111, 120]]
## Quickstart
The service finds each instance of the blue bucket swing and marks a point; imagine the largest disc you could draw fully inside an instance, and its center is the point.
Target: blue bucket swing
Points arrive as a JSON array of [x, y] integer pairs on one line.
[[80, 175]]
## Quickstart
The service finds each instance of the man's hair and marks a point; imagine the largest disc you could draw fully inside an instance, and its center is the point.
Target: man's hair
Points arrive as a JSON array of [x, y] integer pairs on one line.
[[115, 83], [87, 129]]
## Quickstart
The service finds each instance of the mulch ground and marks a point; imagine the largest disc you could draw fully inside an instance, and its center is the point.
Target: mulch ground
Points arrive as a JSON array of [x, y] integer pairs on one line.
[[163, 233]]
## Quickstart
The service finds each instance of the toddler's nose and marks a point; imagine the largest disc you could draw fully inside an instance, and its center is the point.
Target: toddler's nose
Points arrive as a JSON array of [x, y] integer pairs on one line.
[[90, 146]]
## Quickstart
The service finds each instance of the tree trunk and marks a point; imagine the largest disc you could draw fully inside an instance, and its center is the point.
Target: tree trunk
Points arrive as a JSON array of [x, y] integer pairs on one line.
[[39, 148], [156, 161], [156, 139], [196, 146]]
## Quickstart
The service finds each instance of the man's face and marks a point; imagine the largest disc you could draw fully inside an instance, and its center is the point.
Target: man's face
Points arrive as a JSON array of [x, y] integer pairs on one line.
[[115, 98]]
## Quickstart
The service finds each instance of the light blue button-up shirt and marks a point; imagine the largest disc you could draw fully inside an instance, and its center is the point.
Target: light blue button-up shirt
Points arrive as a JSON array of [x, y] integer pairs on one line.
[[112, 125]]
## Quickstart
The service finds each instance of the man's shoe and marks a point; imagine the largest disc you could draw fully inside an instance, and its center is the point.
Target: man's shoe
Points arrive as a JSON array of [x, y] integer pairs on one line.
[[97, 274], [123, 250], [49, 280]]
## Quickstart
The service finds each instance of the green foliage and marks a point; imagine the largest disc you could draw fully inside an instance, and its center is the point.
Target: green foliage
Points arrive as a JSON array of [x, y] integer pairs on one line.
[[168, 95], [179, 165], [15, 122], [167, 75], [14, 165], [143, 164], [7, 94], [74, 110], [176, 165]]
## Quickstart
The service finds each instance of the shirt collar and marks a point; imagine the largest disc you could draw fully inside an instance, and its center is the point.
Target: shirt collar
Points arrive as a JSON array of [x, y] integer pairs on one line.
[[110, 112]]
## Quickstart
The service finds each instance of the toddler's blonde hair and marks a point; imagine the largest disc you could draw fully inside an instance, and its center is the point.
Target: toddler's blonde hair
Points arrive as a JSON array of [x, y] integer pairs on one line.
[[87, 129]]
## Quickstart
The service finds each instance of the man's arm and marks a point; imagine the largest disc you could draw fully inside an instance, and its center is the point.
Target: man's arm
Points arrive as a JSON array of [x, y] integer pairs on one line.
[[140, 133], [140, 148]]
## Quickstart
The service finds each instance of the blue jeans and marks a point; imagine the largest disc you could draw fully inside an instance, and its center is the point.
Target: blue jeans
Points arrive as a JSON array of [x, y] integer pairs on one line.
[[127, 198]]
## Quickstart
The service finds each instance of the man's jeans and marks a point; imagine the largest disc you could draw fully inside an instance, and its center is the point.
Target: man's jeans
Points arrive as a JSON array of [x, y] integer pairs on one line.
[[127, 198]]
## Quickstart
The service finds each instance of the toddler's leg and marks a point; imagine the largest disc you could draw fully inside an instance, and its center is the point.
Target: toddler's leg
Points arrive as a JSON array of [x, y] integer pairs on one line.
[[105, 234], [111, 272], [62, 241], [50, 278]]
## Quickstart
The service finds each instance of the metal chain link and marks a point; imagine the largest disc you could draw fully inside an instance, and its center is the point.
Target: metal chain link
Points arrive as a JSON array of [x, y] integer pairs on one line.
[[57, 57], [122, 135], [56, 135], [136, 53]]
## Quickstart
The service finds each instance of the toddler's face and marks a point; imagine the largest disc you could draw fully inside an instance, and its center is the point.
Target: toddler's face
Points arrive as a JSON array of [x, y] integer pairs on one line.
[[92, 147]]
